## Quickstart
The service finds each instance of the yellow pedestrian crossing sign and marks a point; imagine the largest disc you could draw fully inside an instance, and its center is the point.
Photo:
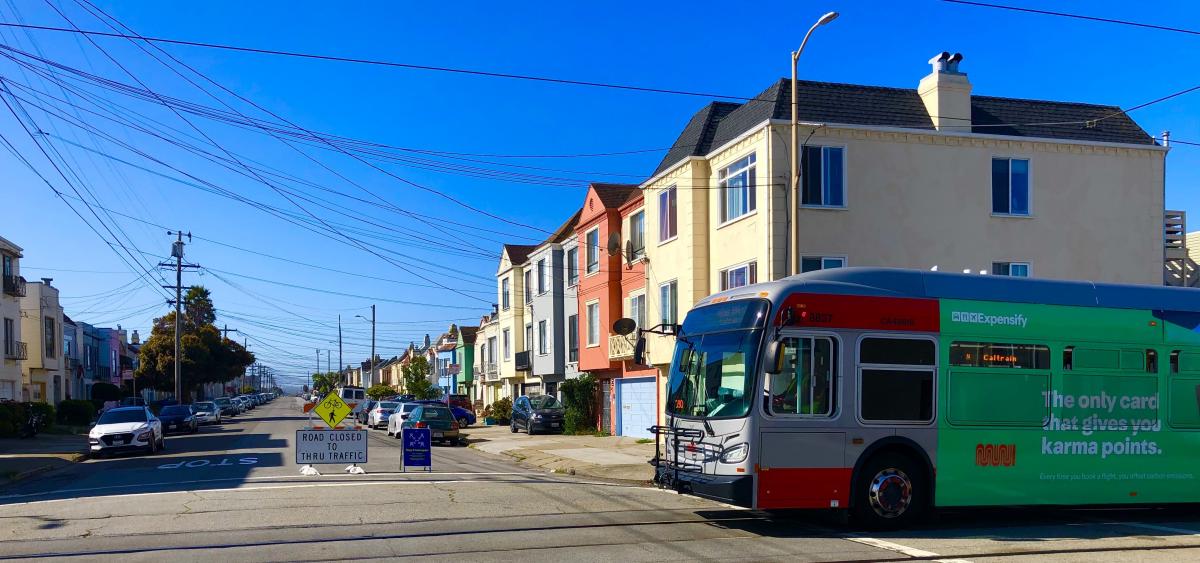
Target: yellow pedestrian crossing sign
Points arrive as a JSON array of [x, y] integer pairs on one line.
[[332, 409]]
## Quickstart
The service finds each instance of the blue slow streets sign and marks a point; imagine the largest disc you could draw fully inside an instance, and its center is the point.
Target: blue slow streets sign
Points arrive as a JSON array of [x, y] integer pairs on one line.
[[416, 449]]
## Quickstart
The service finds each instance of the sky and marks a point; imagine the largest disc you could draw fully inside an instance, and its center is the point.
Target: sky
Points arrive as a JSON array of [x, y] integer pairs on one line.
[[418, 234]]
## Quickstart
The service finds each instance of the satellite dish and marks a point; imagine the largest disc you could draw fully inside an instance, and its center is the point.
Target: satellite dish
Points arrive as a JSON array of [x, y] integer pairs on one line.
[[629, 253], [614, 243], [624, 326]]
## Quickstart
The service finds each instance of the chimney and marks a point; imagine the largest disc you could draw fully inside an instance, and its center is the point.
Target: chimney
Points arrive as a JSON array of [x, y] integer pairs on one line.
[[47, 281], [946, 93], [135, 339]]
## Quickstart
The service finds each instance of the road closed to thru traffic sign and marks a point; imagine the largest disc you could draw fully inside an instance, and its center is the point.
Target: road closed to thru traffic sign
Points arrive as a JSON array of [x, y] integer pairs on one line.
[[331, 446]]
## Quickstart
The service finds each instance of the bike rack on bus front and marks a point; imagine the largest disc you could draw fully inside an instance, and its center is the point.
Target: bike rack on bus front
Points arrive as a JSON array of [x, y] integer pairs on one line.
[[692, 435]]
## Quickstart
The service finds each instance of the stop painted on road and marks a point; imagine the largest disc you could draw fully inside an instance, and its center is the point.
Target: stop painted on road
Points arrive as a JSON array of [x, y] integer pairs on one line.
[[199, 463]]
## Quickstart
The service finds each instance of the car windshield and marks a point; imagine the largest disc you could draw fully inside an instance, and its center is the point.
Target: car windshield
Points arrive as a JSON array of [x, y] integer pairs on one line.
[[545, 402], [205, 407], [176, 410], [120, 416], [222, 402], [712, 373], [435, 413], [388, 405], [408, 407]]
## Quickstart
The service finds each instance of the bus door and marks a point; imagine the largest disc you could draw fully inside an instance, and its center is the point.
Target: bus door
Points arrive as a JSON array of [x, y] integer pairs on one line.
[[801, 461]]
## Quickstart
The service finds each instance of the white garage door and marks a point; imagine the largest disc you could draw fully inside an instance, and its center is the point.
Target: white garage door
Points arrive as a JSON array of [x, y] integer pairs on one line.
[[637, 401]]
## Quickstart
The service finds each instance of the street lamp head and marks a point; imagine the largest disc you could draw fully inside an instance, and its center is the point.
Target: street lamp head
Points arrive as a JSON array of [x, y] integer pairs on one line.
[[828, 18]]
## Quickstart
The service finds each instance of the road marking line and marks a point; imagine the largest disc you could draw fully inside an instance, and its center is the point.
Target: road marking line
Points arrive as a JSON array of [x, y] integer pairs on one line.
[[902, 549]]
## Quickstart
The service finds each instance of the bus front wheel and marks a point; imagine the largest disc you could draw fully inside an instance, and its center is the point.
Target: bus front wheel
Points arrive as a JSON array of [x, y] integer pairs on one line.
[[890, 492]]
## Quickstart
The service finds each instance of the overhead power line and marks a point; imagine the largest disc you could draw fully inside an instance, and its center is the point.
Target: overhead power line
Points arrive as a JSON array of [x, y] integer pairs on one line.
[[1074, 16], [376, 62]]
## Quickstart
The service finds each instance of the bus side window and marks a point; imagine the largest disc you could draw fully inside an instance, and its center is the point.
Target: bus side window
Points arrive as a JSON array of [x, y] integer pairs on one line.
[[805, 386]]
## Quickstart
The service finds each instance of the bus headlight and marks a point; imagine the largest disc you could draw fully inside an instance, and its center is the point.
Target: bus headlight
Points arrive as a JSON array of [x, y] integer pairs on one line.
[[735, 454]]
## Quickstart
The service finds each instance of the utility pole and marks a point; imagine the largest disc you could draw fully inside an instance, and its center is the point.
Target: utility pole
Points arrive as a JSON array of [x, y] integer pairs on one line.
[[312, 381], [340, 363], [371, 381], [328, 354], [177, 254]]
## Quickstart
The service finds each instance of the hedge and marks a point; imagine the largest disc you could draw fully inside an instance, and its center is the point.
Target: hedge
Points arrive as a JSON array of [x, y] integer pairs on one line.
[[579, 403], [76, 412]]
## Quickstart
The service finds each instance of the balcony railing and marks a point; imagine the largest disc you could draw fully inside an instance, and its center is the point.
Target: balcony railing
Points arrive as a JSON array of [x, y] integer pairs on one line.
[[16, 350], [14, 286], [524, 361], [620, 347], [491, 372]]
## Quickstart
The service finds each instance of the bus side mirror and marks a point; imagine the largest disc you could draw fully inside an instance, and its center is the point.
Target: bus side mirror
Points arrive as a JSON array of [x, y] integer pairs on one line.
[[639, 351], [772, 358]]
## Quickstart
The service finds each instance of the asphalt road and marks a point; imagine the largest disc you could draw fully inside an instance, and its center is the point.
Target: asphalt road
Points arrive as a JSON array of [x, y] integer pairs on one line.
[[205, 499]]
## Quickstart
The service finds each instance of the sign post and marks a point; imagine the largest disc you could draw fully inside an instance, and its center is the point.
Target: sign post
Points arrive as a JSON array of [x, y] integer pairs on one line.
[[416, 449]]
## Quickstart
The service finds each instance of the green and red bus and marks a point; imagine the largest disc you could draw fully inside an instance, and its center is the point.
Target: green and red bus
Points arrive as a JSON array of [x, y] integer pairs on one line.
[[889, 392]]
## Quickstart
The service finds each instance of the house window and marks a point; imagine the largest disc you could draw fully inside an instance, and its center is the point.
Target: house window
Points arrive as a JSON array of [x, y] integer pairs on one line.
[[528, 337], [491, 353], [637, 235], [593, 324], [1014, 269], [668, 226], [738, 189], [573, 266], [1010, 186], [51, 339], [814, 263], [10, 338], [8, 266], [528, 286], [542, 337], [573, 338], [668, 294], [593, 251], [637, 309], [823, 178], [541, 273], [504, 293], [739, 276], [506, 344]]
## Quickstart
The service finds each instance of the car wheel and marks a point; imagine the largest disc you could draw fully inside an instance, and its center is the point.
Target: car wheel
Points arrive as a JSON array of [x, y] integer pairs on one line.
[[153, 445], [462, 422], [890, 492], [513, 426]]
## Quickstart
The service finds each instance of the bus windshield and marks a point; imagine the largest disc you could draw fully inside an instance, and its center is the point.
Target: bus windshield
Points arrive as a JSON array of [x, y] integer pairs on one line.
[[712, 373]]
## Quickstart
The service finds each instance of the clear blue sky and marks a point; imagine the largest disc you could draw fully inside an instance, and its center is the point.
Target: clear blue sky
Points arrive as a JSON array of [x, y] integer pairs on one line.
[[730, 48]]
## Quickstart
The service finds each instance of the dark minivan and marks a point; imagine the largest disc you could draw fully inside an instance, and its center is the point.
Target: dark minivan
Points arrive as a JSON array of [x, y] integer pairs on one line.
[[541, 413]]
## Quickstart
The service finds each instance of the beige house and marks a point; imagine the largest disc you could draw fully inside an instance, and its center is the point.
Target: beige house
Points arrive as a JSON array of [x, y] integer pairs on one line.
[[514, 290], [932, 177], [41, 324], [488, 386], [14, 347]]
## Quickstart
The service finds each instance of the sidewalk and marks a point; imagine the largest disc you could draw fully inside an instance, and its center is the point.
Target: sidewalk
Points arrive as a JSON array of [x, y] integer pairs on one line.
[[606, 457], [23, 458]]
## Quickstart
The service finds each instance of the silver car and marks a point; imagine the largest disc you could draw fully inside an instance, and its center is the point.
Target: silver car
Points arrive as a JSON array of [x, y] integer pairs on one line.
[[207, 412], [126, 428]]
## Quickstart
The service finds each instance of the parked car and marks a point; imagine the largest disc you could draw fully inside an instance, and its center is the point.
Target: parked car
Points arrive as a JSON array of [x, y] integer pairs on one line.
[[465, 417], [537, 414], [228, 406], [398, 416], [241, 404], [207, 412], [438, 419], [126, 428], [361, 415], [133, 402], [377, 417], [460, 401], [180, 418]]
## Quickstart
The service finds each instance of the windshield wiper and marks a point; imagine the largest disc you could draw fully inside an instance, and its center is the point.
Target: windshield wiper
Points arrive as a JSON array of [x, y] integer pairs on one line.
[[708, 427]]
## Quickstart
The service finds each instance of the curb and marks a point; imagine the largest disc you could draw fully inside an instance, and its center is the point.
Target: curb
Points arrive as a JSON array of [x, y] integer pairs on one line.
[[75, 458], [590, 471]]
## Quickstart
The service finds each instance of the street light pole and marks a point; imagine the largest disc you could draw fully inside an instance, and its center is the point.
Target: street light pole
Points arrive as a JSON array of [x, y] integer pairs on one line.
[[371, 374], [793, 227]]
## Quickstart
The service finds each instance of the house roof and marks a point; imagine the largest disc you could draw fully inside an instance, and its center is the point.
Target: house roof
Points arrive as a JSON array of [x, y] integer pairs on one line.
[[614, 195], [564, 231], [518, 253], [854, 104], [467, 334]]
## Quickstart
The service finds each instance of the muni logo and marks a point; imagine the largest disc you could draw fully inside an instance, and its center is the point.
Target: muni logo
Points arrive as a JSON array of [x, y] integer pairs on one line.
[[995, 455]]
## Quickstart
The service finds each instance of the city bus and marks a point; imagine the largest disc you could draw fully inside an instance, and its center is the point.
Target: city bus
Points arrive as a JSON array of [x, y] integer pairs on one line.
[[890, 392]]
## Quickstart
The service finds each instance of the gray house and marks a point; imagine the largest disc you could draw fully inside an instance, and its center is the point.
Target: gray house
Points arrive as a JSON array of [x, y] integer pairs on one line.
[[550, 311]]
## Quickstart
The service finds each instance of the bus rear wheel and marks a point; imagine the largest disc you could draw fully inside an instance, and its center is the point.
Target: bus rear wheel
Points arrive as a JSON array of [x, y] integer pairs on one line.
[[890, 492]]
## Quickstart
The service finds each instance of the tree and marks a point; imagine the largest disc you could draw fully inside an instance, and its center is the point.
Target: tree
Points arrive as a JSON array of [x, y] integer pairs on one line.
[[323, 383], [579, 399], [379, 391], [416, 379], [205, 356]]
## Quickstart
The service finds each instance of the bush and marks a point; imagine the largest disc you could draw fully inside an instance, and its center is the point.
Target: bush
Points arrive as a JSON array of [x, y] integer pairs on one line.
[[75, 412], [379, 391], [502, 410], [102, 392], [12, 416], [579, 403]]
